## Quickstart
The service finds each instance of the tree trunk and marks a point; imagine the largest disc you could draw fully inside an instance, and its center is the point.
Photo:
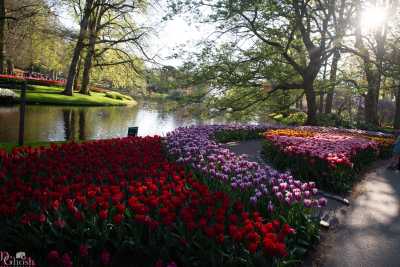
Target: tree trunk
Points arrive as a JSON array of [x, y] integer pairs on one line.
[[360, 109], [311, 103], [332, 82], [89, 56], [371, 99], [78, 48], [371, 71], [10, 67], [78, 72], [2, 35], [396, 123], [322, 91], [321, 102]]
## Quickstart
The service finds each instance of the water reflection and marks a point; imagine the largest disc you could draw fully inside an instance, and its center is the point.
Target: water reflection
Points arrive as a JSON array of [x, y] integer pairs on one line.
[[56, 123], [74, 124]]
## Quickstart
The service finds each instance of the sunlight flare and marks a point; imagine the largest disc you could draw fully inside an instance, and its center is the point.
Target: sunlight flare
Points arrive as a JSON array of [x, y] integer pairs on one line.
[[373, 17]]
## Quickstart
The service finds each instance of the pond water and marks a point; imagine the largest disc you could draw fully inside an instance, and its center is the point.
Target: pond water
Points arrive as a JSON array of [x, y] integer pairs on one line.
[[56, 123]]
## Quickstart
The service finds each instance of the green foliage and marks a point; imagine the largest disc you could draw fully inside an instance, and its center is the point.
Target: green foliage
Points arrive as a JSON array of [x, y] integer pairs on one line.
[[296, 118], [299, 118], [117, 95], [307, 231], [237, 135], [230, 71], [333, 120], [368, 126], [32, 41], [128, 75]]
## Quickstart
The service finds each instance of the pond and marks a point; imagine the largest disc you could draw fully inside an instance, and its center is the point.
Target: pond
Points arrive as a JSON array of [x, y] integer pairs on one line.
[[58, 123]]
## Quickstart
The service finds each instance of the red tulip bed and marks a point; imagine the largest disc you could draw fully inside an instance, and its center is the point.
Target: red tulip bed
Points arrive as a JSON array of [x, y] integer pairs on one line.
[[120, 202], [6, 78], [331, 157]]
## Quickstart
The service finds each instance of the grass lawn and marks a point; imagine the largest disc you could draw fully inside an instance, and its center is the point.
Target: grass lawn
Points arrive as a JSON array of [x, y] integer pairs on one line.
[[51, 96], [9, 146]]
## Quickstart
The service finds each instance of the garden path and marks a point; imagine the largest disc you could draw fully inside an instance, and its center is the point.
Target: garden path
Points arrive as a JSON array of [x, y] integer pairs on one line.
[[366, 233]]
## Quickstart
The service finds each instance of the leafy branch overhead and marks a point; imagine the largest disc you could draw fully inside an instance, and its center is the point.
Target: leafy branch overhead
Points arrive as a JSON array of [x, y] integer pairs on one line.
[[287, 45]]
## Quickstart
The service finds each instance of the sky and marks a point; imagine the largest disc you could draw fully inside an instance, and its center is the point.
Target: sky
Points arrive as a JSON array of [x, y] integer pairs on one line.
[[165, 37]]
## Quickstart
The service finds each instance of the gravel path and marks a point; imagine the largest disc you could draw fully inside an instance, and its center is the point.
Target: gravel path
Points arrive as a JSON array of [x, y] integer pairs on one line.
[[367, 232]]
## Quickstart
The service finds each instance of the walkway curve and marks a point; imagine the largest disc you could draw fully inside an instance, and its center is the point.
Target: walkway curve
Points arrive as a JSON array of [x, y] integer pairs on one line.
[[366, 233]]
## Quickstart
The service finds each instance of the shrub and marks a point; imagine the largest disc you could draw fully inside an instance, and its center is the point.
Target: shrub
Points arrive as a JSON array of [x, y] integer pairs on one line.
[[118, 96], [110, 95], [7, 96], [175, 95], [296, 118], [238, 134], [333, 120]]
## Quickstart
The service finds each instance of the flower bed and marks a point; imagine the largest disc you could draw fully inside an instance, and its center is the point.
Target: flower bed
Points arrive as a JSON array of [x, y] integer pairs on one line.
[[120, 201], [330, 156], [196, 147], [384, 141], [12, 79], [276, 194]]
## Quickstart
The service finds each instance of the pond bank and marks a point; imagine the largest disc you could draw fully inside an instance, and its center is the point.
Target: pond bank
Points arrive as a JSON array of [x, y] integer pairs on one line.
[[51, 95]]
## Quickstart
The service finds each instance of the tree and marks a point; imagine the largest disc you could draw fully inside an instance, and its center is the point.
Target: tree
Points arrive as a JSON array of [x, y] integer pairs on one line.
[[88, 9], [2, 32], [16, 12], [111, 28], [372, 70], [370, 47], [391, 65], [105, 25], [396, 123], [341, 19], [93, 30], [297, 33]]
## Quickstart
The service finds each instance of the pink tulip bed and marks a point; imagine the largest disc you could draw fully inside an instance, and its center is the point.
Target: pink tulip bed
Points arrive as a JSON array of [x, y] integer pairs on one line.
[[331, 157]]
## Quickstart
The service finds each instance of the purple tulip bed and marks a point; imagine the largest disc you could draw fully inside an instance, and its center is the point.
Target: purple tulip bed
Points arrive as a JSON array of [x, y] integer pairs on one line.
[[275, 194]]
